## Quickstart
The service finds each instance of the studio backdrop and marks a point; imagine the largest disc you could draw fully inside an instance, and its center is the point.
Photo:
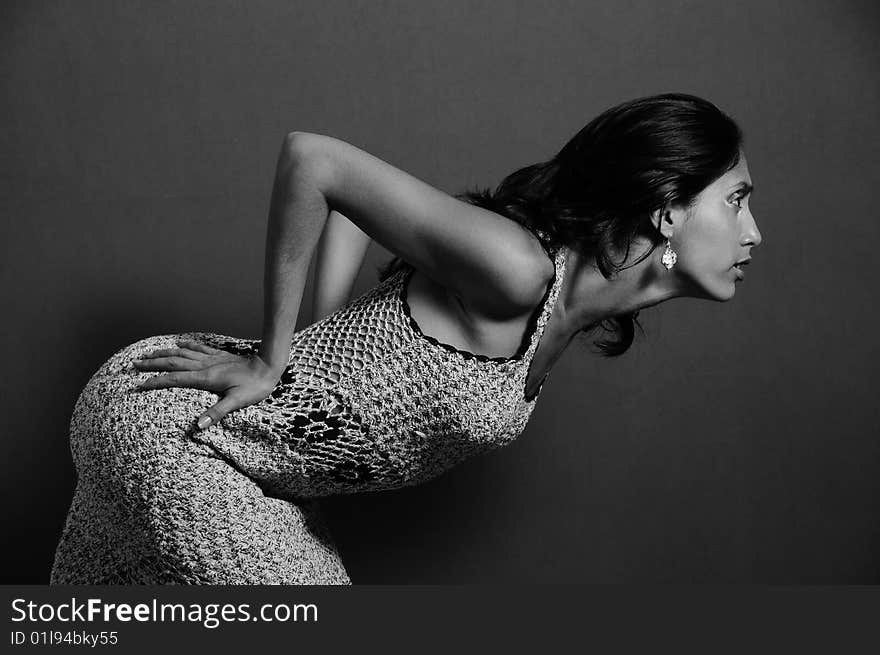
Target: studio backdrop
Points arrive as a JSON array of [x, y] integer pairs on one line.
[[735, 442]]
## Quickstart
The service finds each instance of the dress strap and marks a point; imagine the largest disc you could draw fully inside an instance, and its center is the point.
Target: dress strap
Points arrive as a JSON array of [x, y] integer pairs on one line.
[[542, 237], [558, 255]]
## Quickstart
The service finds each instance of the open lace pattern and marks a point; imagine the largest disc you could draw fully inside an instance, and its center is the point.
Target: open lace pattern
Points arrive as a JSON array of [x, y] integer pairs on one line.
[[367, 402]]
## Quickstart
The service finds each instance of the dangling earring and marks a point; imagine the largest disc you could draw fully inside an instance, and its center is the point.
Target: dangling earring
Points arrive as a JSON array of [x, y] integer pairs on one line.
[[669, 257]]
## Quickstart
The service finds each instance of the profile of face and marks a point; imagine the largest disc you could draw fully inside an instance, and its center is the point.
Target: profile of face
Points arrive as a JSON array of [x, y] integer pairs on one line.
[[711, 236]]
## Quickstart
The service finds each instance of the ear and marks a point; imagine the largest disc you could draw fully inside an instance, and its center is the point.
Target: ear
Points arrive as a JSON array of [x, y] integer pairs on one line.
[[668, 219], [663, 222]]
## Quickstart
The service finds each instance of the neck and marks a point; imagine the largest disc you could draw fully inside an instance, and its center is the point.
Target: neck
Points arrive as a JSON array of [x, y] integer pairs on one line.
[[587, 297]]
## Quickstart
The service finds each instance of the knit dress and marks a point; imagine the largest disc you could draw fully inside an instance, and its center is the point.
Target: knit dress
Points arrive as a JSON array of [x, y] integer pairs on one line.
[[367, 402]]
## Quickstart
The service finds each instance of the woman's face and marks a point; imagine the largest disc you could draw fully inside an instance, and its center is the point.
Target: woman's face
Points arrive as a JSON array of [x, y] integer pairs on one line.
[[716, 233]]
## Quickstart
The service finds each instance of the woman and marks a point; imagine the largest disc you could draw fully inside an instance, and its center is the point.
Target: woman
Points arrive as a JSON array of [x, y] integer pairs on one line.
[[443, 359]]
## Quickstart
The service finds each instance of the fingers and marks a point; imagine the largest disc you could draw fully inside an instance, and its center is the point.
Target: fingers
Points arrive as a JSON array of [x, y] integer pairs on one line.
[[173, 352], [188, 379], [213, 415], [199, 347], [168, 364]]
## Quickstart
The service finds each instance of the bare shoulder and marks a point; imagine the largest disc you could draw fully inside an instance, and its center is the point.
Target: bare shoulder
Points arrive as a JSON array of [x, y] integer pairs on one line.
[[493, 264], [532, 278]]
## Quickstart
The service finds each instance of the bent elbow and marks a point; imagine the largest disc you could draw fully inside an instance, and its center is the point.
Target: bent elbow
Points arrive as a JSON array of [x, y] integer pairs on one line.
[[306, 153]]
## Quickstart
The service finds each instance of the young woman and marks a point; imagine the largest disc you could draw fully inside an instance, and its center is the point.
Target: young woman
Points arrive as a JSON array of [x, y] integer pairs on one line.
[[199, 455]]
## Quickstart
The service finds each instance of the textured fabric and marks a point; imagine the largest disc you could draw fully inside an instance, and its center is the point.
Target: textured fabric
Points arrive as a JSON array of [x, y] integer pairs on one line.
[[153, 506], [366, 402]]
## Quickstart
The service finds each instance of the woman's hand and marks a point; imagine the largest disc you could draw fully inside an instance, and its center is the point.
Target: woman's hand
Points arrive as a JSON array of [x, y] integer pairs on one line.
[[240, 381]]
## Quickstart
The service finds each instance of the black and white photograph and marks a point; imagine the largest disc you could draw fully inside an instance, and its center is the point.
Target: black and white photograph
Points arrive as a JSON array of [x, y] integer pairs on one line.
[[440, 293]]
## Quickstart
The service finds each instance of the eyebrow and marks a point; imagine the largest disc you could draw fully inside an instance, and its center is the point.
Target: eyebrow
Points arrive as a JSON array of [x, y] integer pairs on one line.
[[744, 186]]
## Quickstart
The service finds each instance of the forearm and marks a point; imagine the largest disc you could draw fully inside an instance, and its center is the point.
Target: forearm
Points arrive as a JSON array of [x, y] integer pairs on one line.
[[341, 251], [297, 215]]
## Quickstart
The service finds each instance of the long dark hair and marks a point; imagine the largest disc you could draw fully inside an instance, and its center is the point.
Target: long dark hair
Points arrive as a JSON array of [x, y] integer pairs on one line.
[[598, 193]]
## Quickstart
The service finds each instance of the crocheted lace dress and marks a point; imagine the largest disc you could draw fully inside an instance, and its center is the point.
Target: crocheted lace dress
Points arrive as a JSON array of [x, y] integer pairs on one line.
[[367, 402]]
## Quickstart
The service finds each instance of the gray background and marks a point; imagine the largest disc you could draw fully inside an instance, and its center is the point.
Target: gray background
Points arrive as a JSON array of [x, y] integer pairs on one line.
[[736, 442]]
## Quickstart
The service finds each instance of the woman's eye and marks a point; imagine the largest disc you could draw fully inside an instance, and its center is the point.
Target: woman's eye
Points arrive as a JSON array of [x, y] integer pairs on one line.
[[737, 201]]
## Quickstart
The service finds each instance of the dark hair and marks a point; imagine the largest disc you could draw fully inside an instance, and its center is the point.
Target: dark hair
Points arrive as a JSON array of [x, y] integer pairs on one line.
[[598, 193]]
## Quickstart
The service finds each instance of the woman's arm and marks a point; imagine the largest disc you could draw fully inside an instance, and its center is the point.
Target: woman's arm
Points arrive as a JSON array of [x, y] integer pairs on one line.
[[341, 251], [297, 214], [489, 261]]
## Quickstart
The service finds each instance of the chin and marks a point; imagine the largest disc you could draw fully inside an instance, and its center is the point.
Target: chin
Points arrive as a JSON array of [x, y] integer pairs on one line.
[[724, 285], [729, 292]]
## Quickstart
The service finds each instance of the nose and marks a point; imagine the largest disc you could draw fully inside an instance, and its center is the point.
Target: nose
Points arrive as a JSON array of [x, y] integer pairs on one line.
[[752, 234]]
